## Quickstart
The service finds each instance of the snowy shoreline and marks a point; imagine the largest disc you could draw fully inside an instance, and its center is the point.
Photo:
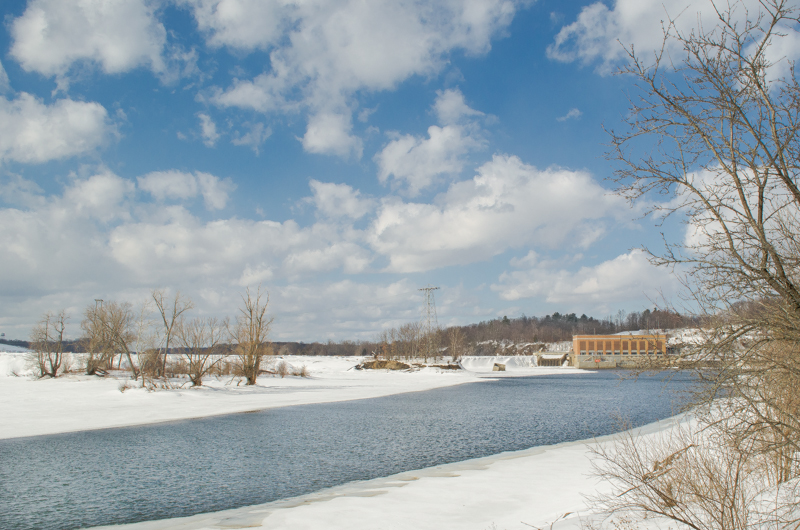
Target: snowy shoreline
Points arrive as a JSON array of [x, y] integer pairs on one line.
[[533, 487], [80, 403]]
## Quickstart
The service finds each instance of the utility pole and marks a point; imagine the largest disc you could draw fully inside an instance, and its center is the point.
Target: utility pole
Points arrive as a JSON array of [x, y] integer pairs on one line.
[[429, 321]]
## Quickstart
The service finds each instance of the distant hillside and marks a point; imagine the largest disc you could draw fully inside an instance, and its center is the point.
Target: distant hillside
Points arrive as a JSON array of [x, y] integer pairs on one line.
[[20, 343], [71, 346], [498, 336]]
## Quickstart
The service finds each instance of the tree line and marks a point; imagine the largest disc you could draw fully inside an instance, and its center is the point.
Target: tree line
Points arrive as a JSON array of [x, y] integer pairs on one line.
[[491, 337], [557, 327], [115, 336], [527, 334], [114, 333]]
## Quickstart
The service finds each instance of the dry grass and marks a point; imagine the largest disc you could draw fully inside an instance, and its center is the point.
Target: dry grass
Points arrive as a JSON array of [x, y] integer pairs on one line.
[[224, 368], [301, 372], [282, 369], [176, 368]]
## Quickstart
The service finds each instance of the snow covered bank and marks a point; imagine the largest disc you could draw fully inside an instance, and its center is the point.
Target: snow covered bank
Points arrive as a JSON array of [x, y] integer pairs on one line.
[[509, 491], [30, 407], [75, 402]]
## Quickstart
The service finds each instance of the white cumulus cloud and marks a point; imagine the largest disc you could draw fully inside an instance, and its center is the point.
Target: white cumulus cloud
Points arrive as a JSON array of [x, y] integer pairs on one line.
[[100, 196], [208, 130], [573, 114], [508, 204], [626, 277], [215, 191], [117, 35], [57, 245], [322, 53], [241, 24], [600, 32], [93, 240], [352, 308], [256, 135], [173, 184], [451, 108], [5, 85], [418, 162], [340, 200], [33, 132], [329, 133]]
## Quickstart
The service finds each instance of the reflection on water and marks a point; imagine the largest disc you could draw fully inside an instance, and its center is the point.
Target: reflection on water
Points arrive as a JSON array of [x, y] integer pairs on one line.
[[132, 474]]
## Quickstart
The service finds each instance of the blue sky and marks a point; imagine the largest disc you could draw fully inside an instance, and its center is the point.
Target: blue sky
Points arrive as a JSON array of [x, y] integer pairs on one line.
[[340, 153]]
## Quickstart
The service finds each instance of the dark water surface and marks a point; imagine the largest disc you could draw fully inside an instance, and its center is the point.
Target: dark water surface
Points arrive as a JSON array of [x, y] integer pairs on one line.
[[125, 475]]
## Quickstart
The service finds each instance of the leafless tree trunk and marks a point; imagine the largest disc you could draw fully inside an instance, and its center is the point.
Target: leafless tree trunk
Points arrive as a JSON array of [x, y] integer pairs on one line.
[[456, 343], [109, 329], [47, 343], [713, 139], [171, 311], [408, 335], [201, 338], [250, 333], [96, 340], [429, 343], [724, 149]]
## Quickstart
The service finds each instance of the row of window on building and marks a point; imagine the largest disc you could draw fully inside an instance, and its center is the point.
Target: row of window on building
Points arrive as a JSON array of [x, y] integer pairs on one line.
[[619, 344]]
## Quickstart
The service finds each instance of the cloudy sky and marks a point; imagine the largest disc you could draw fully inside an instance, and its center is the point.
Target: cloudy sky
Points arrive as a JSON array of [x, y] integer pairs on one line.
[[341, 153]]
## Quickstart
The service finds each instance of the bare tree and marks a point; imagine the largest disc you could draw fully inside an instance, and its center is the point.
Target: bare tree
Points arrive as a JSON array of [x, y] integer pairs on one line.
[[403, 342], [714, 137], [108, 329], [47, 344], [146, 345], [201, 339], [456, 343], [408, 335], [250, 333], [96, 340], [726, 151], [171, 311]]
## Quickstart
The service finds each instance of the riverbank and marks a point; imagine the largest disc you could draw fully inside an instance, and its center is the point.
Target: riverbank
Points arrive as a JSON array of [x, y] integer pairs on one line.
[[533, 488], [32, 407]]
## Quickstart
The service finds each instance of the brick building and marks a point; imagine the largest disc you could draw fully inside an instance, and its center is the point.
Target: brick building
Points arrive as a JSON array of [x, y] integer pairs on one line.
[[609, 351]]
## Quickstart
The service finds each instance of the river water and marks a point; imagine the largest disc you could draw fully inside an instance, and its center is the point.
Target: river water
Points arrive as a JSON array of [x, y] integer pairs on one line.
[[124, 475]]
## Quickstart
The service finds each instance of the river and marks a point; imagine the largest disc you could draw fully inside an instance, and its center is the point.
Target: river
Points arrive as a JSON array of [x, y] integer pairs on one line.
[[113, 476]]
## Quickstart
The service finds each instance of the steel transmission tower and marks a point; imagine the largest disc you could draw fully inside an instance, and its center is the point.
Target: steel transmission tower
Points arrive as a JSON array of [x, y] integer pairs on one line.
[[429, 321]]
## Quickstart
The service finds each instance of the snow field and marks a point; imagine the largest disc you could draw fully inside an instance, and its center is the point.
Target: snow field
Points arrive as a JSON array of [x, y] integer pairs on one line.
[[30, 407]]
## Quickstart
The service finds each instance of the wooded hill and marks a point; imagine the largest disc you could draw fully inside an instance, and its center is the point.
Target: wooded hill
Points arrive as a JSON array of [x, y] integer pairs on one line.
[[524, 329]]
